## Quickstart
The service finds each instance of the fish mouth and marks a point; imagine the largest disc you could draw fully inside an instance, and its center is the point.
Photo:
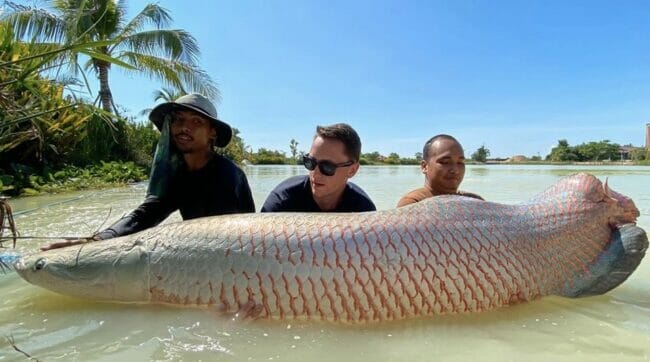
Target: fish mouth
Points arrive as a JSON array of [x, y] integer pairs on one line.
[[19, 265], [28, 266], [103, 271]]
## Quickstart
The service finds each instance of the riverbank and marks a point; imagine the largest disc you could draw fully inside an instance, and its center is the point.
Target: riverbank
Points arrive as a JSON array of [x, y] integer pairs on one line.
[[588, 163], [116, 174], [72, 178]]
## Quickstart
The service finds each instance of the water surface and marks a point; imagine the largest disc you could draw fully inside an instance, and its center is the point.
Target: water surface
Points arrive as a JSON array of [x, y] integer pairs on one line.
[[615, 326]]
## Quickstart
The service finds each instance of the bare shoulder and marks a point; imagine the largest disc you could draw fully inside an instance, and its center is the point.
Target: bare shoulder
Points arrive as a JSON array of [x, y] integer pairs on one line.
[[414, 196], [470, 194]]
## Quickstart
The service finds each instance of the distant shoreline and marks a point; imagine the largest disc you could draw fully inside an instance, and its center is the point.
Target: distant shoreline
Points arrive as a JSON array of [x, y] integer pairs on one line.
[[573, 163], [470, 162]]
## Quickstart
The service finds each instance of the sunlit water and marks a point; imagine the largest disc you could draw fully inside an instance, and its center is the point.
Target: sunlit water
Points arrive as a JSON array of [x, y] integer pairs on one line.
[[612, 327]]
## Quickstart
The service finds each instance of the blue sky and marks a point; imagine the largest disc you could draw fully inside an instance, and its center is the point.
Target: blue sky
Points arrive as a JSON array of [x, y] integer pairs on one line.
[[516, 76]]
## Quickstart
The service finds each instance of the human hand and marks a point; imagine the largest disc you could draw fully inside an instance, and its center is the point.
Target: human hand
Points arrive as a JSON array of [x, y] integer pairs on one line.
[[64, 243]]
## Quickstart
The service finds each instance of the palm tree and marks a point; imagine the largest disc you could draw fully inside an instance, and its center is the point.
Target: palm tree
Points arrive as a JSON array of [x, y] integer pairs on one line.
[[163, 54], [164, 94]]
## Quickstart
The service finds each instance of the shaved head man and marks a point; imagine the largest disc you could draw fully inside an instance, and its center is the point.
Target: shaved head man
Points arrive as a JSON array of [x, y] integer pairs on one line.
[[443, 166]]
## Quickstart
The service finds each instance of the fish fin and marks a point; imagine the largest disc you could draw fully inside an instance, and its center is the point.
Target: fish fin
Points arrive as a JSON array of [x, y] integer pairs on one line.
[[616, 263], [609, 198], [247, 312]]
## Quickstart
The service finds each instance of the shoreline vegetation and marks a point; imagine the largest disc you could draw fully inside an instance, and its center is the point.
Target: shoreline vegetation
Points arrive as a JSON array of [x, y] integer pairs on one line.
[[119, 174], [57, 136]]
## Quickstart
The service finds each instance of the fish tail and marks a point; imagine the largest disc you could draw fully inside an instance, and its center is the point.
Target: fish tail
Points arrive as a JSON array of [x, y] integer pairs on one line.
[[615, 264]]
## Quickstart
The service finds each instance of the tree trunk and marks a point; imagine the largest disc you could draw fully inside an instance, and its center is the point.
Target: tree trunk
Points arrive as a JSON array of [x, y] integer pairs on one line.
[[105, 95]]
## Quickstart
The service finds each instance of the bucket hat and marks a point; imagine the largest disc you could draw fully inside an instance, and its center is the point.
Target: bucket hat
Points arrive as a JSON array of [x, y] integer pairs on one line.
[[197, 103]]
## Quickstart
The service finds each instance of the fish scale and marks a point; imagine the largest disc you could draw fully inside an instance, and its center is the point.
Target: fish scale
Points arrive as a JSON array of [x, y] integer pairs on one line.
[[447, 254]]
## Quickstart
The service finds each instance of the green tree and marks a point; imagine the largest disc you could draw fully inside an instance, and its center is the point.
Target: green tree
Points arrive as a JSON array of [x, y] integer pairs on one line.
[[392, 159], [38, 124], [293, 146], [141, 139], [640, 154], [269, 157], [165, 95], [236, 149], [598, 151], [370, 158], [562, 152], [481, 154], [169, 55]]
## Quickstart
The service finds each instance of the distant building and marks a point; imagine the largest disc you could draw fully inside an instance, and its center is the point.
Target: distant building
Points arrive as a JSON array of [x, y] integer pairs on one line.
[[517, 158], [626, 152], [647, 136]]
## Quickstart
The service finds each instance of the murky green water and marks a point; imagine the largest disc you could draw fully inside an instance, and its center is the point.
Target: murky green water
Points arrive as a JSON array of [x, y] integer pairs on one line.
[[615, 326]]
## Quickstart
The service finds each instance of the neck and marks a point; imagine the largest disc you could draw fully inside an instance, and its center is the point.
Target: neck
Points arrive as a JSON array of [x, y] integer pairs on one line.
[[329, 202], [197, 160], [436, 192]]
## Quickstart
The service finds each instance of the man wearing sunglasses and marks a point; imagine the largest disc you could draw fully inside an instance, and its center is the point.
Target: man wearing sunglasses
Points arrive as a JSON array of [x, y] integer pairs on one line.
[[331, 161], [443, 166], [188, 175]]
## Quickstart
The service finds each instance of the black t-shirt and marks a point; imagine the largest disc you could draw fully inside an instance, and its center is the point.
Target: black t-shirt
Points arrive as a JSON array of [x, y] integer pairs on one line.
[[294, 194], [218, 188]]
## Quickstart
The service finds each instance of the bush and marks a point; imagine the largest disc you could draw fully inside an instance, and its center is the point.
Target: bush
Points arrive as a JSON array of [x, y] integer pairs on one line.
[[141, 140]]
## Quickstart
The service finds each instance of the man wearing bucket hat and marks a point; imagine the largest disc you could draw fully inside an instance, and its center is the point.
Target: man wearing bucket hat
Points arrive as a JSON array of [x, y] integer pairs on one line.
[[187, 175]]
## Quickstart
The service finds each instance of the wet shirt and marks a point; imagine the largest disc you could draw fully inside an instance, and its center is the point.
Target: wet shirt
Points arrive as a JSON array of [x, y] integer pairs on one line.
[[294, 194], [424, 193], [218, 188]]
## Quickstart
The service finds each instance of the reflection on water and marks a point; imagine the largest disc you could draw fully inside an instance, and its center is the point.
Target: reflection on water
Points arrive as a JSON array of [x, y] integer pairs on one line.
[[49, 326], [479, 171]]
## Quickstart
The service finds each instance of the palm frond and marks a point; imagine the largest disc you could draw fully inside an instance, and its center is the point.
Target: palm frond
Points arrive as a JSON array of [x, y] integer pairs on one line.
[[34, 25], [106, 58], [174, 73], [168, 94], [151, 14], [174, 44]]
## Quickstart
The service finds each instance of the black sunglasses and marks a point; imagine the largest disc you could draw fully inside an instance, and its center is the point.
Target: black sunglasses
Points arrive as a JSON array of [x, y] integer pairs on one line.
[[327, 168]]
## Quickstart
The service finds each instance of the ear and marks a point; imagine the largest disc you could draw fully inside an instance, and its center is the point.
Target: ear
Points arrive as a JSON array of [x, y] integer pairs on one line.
[[424, 166], [352, 170], [213, 134]]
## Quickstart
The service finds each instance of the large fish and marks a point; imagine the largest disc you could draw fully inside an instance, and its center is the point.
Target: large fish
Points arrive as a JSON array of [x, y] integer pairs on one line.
[[447, 254]]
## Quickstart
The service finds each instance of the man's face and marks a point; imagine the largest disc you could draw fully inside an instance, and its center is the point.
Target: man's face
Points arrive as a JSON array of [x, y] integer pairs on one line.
[[445, 169], [333, 150], [192, 132]]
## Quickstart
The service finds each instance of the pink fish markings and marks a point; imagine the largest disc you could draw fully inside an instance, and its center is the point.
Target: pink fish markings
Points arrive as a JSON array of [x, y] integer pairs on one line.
[[447, 254]]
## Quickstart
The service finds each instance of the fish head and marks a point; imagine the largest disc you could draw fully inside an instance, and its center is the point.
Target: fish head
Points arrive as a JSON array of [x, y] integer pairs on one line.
[[629, 210], [110, 270], [615, 208]]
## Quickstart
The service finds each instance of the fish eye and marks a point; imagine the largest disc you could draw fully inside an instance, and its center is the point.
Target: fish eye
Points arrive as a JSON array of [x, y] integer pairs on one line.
[[40, 264]]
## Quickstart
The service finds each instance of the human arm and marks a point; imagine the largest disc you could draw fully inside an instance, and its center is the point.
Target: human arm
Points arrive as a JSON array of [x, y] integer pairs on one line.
[[244, 195], [470, 194], [150, 213], [273, 203], [64, 243], [367, 205], [292, 194], [406, 200]]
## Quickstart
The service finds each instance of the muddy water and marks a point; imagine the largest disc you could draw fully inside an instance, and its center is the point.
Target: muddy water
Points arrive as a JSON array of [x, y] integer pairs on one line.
[[615, 326]]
